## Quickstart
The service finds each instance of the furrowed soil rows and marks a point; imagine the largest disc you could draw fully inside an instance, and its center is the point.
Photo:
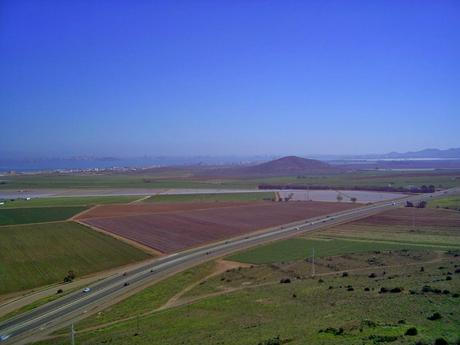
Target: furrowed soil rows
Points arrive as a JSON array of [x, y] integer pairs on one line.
[[418, 216], [170, 228]]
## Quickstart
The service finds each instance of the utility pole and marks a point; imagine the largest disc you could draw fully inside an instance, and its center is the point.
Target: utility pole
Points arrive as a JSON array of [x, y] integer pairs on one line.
[[313, 264], [72, 335]]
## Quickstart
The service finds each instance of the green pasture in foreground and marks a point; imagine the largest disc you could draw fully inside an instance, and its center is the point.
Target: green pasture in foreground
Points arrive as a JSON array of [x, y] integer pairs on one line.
[[41, 254], [13, 216]]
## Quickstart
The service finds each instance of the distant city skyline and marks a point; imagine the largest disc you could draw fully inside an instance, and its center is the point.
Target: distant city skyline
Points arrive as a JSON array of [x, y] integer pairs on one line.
[[128, 79]]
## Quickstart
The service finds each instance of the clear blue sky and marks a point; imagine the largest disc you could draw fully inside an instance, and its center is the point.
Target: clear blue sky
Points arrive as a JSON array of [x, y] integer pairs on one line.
[[134, 77]]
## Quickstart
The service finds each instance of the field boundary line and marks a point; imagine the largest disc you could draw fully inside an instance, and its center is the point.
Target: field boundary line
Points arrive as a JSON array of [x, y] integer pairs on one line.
[[132, 243], [82, 212], [138, 200]]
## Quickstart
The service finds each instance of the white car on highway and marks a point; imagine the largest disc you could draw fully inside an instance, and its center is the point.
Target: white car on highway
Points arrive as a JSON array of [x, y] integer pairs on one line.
[[86, 289], [4, 337]]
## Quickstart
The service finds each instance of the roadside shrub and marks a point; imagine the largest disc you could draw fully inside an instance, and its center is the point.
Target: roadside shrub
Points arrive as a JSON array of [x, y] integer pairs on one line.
[[435, 316], [456, 295], [427, 288], [448, 278], [350, 288], [285, 281], [396, 290], [366, 289], [383, 290], [345, 274], [441, 341], [422, 269], [446, 292], [411, 331], [59, 291], [368, 323], [383, 338], [332, 330], [320, 281], [271, 341], [372, 275]]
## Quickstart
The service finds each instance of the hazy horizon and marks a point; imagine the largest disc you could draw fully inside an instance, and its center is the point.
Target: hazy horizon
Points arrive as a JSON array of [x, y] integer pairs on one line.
[[129, 79]]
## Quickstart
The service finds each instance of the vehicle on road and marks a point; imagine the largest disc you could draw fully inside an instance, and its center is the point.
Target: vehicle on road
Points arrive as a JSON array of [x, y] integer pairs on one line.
[[86, 289], [4, 337]]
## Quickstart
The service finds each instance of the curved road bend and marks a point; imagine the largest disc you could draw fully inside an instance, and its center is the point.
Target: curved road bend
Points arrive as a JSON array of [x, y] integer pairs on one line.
[[66, 309]]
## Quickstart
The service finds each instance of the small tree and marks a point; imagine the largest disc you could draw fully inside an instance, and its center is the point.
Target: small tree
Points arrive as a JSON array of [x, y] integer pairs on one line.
[[339, 197], [353, 199]]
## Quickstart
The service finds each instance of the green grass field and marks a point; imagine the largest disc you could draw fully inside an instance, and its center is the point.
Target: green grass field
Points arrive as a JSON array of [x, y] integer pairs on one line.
[[452, 203], [301, 248], [69, 201], [182, 179], [41, 254], [15, 216], [216, 197]]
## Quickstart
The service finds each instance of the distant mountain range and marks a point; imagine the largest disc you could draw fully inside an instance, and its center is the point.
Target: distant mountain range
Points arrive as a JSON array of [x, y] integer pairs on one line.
[[427, 158], [422, 154]]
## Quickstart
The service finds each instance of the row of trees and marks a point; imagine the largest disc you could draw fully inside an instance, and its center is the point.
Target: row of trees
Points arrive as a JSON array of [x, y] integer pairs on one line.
[[411, 189], [421, 204]]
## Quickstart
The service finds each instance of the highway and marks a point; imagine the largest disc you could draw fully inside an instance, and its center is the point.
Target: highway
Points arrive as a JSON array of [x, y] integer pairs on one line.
[[68, 308]]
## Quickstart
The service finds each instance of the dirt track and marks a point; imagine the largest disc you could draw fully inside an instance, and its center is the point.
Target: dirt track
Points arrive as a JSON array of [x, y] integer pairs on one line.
[[174, 227]]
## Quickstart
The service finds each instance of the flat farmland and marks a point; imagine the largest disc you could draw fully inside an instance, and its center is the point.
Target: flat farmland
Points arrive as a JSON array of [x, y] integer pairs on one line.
[[41, 254], [13, 216], [103, 211], [407, 225], [175, 227], [414, 216]]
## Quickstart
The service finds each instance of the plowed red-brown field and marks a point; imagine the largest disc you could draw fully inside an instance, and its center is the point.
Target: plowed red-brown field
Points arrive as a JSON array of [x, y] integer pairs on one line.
[[153, 208], [420, 216], [170, 228]]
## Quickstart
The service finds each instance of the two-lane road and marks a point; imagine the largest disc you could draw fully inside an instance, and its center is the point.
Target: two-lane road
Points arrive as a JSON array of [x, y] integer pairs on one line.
[[66, 309]]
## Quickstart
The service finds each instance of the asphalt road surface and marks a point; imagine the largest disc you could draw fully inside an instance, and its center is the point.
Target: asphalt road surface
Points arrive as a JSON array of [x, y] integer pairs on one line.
[[73, 306]]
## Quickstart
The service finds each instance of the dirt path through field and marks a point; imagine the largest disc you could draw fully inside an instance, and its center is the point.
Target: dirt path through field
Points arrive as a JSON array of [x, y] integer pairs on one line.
[[221, 267]]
